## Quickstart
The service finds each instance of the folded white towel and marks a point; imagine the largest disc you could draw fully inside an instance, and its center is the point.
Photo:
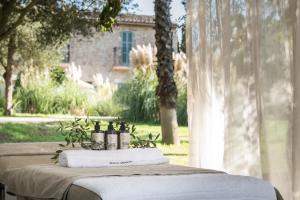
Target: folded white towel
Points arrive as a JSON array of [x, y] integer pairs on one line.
[[123, 157]]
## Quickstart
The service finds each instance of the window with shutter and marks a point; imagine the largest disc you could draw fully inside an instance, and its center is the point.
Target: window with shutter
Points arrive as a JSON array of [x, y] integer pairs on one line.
[[127, 39]]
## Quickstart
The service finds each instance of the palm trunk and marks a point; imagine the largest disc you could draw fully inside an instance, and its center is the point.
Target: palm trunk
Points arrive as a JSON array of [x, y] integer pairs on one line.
[[8, 75], [166, 89], [168, 119]]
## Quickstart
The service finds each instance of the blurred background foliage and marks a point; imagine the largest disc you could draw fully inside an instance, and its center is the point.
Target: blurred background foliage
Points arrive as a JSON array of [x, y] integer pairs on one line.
[[58, 90]]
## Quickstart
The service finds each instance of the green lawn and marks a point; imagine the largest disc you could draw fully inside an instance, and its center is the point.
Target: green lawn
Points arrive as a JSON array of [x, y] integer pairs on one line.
[[47, 132], [41, 132], [29, 132]]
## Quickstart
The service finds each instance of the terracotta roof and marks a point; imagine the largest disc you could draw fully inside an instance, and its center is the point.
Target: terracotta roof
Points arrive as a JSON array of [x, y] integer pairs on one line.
[[137, 19]]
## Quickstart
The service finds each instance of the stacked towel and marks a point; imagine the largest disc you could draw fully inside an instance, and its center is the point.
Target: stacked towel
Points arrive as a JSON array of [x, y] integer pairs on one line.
[[123, 157]]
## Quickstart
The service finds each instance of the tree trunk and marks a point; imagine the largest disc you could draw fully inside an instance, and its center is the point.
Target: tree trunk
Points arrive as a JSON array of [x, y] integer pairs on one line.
[[8, 75], [169, 126], [166, 89]]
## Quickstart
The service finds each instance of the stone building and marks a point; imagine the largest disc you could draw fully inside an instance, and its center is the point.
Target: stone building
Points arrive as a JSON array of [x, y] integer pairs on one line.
[[108, 52]]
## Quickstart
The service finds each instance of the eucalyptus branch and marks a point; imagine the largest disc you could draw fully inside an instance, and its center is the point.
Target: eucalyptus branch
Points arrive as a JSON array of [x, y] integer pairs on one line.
[[148, 141], [77, 134]]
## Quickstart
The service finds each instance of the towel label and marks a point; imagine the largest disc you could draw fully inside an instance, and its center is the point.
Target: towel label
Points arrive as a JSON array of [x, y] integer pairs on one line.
[[112, 141], [120, 162]]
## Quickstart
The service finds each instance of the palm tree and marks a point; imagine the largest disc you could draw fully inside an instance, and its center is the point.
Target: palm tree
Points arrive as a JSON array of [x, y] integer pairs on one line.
[[166, 89]]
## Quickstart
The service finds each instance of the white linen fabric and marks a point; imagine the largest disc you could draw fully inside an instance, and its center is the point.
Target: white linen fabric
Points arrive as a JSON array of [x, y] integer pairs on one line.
[[244, 89], [182, 187], [106, 158]]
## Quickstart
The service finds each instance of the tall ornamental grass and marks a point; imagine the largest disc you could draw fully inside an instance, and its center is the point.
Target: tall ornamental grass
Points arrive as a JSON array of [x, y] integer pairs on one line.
[[139, 99], [138, 95], [39, 94], [107, 108], [182, 116], [102, 103]]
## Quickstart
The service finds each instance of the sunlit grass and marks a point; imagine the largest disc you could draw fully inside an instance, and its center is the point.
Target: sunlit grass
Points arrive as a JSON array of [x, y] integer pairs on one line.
[[29, 132], [47, 132], [178, 154]]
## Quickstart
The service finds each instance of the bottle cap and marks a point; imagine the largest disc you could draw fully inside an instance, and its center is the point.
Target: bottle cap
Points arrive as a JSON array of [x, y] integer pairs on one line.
[[122, 127], [97, 127], [110, 126]]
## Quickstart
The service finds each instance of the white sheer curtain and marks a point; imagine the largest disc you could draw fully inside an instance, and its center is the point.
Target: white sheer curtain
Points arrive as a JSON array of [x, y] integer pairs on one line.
[[244, 89]]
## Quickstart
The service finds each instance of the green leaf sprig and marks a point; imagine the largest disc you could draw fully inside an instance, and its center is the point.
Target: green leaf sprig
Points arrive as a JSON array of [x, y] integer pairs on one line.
[[77, 134]]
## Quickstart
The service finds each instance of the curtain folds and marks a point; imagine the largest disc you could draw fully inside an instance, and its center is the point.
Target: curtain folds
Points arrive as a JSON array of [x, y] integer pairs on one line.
[[243, 91]]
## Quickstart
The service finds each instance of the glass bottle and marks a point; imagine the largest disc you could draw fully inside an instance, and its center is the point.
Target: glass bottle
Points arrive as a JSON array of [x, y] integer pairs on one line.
[[111, 137], [97, 138], [124, 137]]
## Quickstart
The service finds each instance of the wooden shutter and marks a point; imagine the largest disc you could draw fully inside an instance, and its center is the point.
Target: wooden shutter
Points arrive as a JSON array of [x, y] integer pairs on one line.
[[126, 46]]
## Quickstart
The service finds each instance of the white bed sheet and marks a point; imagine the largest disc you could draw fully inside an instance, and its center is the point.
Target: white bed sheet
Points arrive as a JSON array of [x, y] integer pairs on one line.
[[182, 187]]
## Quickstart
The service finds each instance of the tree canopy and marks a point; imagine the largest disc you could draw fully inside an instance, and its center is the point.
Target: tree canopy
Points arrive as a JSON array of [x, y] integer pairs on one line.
[[67, 15], [28, 28]]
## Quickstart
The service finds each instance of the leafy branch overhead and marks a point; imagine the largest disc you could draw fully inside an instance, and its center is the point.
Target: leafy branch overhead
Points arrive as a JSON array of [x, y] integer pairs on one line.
[[52, 22], [66, 16]]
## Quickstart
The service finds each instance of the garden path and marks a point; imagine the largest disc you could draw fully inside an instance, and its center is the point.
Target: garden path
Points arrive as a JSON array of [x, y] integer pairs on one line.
[[47, 119]]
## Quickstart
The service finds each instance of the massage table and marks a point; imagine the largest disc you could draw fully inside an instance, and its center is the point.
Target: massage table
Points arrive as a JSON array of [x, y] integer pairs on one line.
[[20, 157]]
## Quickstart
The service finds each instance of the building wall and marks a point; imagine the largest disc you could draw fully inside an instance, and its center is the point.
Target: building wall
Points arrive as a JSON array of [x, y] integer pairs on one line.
[[96, 54]]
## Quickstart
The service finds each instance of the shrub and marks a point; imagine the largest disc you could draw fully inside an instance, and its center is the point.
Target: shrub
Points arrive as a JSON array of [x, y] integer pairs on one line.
[[182, 116], [100, 99], [139, 93], [107, 108], [73, 98], [38, 94], [52, 93], [104, 88], [49, 99], [138, 97], [58, 75], [140, 101]]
